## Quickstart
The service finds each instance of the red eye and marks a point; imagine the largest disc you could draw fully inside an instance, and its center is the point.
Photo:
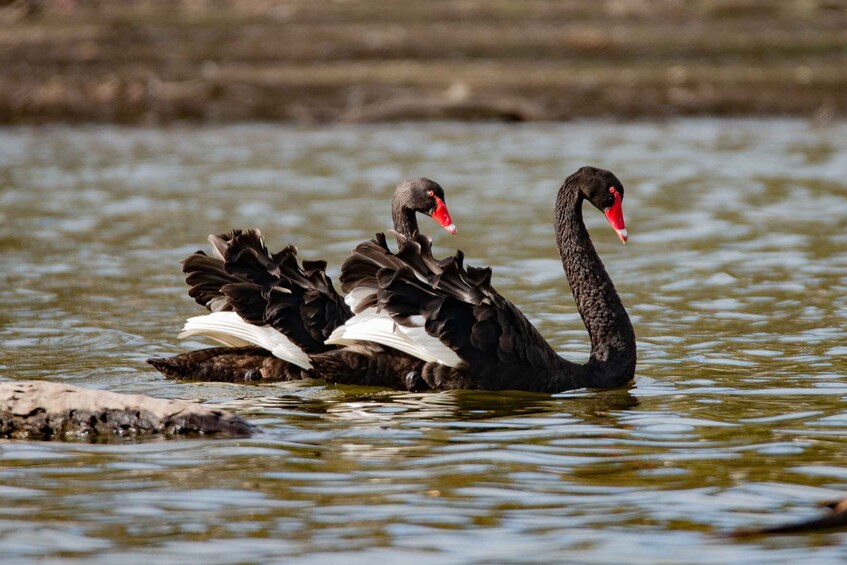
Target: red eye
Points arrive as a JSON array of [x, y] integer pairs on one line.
[[431, 193], [612, 189]]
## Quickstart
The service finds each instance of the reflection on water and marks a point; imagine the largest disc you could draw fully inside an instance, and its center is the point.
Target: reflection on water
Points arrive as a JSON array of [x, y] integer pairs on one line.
[[736, 280]]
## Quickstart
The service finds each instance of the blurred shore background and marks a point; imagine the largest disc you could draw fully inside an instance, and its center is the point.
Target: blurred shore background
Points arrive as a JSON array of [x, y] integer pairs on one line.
[[155, 62]]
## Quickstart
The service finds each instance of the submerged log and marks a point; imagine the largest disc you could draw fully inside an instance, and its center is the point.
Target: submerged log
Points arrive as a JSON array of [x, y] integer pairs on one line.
[[833, 521], [45, 410]]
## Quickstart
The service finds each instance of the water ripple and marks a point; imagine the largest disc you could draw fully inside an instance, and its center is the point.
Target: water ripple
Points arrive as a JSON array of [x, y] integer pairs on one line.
[[736, 279]]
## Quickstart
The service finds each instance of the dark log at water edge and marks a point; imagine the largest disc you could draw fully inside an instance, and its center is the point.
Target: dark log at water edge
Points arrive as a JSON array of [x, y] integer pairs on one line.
[[836, 520], [55, 411]]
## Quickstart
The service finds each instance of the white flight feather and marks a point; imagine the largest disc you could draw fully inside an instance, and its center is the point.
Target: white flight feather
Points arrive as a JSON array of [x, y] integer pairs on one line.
[[355, 296], [417, 320], [378, 327], [230, 329]]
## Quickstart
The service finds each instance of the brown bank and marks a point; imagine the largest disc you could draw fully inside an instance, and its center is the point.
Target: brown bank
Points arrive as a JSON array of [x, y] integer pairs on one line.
[[141, 61], [45, 410]]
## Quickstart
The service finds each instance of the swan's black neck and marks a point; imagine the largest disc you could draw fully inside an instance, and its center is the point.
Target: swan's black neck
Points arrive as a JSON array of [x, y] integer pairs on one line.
[[405, 221], [612, 361]]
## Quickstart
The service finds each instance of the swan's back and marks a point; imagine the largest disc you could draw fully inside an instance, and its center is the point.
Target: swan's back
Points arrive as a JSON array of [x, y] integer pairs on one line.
[[497, 346]]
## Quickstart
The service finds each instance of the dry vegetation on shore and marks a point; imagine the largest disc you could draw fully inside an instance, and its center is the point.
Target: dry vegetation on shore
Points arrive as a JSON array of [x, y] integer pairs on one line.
[[156, 61]]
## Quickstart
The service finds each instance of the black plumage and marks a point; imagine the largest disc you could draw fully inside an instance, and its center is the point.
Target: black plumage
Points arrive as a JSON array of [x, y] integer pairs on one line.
[[499, 348], [228, 364], [275, 290]]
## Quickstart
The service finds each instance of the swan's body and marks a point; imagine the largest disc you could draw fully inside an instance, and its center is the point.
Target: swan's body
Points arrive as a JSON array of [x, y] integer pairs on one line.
[[493, 345], [270, 304], [421, 323]]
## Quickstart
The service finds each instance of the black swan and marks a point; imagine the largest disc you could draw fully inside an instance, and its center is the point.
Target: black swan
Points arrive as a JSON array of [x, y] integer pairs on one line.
[[463, 333], [270, 312]]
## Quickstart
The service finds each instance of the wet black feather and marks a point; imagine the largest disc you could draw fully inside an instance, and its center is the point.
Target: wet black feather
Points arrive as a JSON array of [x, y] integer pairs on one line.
[[206, 276], [459, 307], [265, 289], [228, 364]]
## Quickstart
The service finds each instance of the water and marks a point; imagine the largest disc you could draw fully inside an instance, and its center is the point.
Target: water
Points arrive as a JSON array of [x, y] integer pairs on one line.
[[735, 278]]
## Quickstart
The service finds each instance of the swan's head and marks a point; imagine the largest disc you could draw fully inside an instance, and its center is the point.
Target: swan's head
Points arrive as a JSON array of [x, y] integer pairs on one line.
[[427, 197], [605, 192]]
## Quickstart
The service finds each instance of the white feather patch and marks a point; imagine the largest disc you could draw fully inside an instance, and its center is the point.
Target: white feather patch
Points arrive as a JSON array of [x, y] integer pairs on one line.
[[417, 320], [355, 296], [378, 327], [228, 328], [218, 247]]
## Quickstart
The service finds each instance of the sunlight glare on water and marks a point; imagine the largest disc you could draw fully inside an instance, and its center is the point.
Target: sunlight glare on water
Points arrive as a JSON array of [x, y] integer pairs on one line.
[[735, 277]]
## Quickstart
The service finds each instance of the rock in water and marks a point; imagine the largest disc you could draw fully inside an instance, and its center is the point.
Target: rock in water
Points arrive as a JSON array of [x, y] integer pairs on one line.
[[45, 410]]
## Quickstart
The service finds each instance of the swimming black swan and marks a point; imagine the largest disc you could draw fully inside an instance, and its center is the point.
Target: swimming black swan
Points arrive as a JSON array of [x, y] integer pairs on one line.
[[462, 332], [270, 312]]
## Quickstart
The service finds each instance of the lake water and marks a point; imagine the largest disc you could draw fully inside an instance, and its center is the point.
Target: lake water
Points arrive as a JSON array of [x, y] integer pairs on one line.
[[735, 278]]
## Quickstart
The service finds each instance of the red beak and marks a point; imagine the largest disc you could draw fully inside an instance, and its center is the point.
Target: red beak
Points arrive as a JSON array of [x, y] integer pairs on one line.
[[442, 216], [614, 214]]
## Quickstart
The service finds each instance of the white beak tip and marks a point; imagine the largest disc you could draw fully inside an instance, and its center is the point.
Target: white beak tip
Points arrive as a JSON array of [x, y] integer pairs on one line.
[[451, 229], [623, 235]]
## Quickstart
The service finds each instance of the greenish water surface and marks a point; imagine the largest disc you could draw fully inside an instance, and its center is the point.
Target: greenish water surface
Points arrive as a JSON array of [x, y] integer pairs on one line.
[[735, 278]]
